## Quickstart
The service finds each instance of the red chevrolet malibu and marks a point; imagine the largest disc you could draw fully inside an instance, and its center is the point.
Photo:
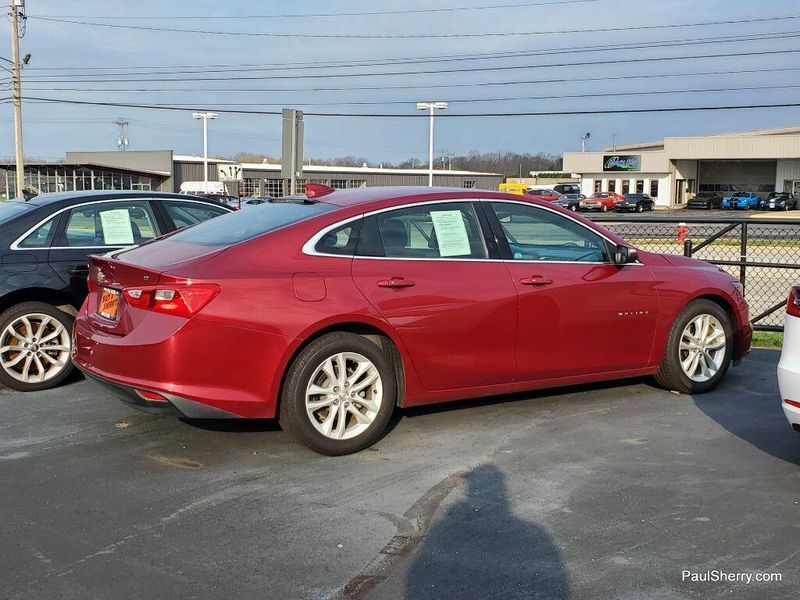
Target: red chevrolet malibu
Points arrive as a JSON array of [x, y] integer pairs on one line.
[[330, 311]]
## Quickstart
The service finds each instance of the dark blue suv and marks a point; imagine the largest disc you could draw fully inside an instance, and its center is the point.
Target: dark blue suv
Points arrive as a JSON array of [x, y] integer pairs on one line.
[[44, 247]]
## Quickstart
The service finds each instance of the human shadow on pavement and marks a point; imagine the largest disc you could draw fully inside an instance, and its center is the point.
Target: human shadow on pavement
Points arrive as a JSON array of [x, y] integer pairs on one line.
[[479, 549], [748, 404]]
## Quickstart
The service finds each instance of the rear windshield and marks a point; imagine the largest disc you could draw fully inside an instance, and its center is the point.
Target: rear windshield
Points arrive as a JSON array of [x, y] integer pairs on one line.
[[246, 224], [10, 210]]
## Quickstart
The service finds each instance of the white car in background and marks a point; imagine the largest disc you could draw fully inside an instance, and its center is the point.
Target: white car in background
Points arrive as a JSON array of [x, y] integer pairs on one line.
[[789, 365]]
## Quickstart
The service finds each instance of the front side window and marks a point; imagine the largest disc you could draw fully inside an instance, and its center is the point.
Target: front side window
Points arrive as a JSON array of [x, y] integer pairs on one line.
[[185, 213], [447, 230], [537, 234], [110, 224]]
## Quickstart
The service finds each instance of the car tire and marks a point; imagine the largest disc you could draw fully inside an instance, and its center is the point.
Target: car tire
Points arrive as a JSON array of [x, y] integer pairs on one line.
[[604, 208], [677, 371], [307, 415], [639, 208], [21, 327]]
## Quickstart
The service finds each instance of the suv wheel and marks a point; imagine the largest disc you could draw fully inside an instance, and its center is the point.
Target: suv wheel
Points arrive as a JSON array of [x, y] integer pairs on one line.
[[698, 350], [35, 343], [339, 394]]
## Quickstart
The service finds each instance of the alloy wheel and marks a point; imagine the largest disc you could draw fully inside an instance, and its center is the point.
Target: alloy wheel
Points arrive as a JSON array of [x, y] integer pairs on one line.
[[34, 348], [344, 395], [702, 348]]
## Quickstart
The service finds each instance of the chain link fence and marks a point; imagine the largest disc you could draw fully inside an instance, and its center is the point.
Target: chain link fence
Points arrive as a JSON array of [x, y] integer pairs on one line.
[[762, 253]]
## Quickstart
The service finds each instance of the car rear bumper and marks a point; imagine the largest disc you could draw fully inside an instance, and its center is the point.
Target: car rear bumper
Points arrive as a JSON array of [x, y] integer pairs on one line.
[[789, 370], [203, 369]]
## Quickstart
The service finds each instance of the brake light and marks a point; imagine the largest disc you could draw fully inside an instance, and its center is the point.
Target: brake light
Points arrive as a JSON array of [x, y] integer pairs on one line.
[[180, 300], [793, 305], [792, 403]]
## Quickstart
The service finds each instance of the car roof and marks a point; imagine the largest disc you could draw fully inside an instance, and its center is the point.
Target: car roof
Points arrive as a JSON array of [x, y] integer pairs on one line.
[[67, 198]]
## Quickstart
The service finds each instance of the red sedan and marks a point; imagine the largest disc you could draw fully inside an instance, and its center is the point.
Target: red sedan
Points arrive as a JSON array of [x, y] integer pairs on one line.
[[602, 201], [329, 312]]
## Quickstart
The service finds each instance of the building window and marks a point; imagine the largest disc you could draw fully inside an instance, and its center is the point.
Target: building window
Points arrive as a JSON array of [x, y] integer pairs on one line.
[[250, 186], [626, 186], [339, 184], [612, 185], [640, 186], [357, 183], [273, 188], [654, 188], [598, 185]]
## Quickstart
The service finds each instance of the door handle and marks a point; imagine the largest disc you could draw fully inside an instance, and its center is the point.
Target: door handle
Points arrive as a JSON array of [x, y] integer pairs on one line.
[[396, 283], [536, 280]]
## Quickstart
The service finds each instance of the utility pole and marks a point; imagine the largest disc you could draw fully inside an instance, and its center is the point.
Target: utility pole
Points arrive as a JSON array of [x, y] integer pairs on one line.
[[122, 139], [17, 8], [584, 137]]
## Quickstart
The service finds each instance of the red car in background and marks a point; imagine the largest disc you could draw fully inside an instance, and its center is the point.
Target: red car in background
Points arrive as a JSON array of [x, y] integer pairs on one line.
[[338, 308], [543, 194], [602, 201]]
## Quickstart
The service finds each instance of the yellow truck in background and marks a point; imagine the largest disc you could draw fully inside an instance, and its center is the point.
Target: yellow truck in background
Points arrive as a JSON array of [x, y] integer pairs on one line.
[[513, 188]]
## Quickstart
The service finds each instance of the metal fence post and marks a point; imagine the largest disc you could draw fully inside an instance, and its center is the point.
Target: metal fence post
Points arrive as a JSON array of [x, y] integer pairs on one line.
[[687, 248], [743, 256]]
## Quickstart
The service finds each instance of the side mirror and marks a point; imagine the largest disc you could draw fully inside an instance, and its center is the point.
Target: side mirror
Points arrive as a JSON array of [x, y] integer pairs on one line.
[[624, 255]]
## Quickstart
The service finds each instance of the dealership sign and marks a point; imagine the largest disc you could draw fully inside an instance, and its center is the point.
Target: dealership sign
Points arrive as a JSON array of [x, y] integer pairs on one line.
[[622, 162]]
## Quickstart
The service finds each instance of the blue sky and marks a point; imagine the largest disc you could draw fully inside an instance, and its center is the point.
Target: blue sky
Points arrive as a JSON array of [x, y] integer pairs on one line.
[[50, 130]]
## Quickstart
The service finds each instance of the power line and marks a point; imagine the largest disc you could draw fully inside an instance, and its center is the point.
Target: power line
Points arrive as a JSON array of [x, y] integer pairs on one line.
[[439, 71], [367, 36], [198, 70], [323, 15], [498, 99], [443, 115], [434, 85]]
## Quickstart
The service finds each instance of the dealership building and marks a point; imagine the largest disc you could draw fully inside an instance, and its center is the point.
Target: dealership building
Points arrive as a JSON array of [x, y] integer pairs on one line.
[[675, 168], [162, 170]]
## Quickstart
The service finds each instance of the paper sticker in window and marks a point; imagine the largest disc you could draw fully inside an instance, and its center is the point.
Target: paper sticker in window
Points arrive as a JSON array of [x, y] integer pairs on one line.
[[117, 229], [451, 233]]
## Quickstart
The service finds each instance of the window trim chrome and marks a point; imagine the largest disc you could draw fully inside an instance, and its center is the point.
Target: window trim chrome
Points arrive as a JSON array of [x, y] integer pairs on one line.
[[309, 248], [15, 244]]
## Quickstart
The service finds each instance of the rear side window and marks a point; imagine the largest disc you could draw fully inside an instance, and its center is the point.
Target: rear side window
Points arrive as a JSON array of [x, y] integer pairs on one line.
[[447, 230], [185, 213], [246, 224], [110, 224], [40, 237], [340, 241]]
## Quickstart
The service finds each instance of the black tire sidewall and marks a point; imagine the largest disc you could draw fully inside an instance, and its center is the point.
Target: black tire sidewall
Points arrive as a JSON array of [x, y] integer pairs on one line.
[[26, 308], [293, 410], [693, 310]]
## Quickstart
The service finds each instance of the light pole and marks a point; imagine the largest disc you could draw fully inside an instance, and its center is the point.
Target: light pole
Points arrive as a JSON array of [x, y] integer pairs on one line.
[[614, 142], [205, 116], [431, 106], [584, 137]]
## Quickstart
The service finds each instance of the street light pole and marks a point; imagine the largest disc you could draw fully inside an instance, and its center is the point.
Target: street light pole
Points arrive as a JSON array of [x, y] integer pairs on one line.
[[431, 106], [205, 116], [16, 6]]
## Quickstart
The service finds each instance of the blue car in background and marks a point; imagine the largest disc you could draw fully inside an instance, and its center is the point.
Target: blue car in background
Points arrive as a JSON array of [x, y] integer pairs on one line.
[[743, 200]]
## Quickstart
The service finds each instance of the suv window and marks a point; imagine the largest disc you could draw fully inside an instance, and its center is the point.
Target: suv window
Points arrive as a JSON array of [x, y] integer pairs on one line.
[[446, 230], [537, 234], [185, 213], [120, 223], [40, 237]]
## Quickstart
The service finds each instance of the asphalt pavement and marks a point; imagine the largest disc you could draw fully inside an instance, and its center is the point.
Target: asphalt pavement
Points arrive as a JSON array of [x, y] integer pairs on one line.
[[603, 491]]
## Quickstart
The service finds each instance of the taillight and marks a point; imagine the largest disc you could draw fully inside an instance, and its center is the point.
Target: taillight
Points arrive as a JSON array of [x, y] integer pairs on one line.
[[793, 305], [180, 300]]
